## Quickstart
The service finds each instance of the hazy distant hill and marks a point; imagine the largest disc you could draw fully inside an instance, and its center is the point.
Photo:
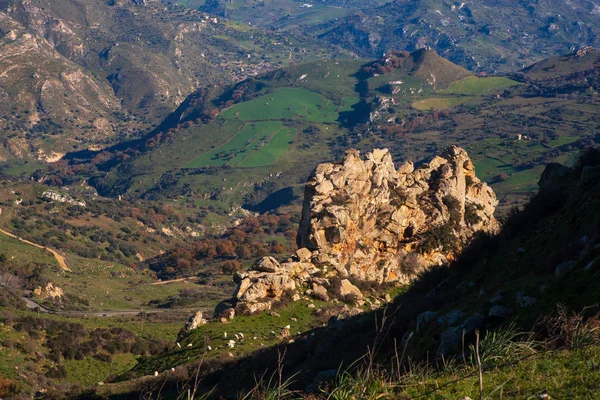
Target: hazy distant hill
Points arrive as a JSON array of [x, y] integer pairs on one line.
[[485, 35]]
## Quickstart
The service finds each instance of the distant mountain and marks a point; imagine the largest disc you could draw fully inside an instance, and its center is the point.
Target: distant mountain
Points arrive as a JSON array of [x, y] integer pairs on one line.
[[80, 73], [490, 35]]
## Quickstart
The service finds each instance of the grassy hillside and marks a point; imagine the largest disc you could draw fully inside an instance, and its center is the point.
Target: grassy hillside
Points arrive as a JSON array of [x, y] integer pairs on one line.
[[399, 348]]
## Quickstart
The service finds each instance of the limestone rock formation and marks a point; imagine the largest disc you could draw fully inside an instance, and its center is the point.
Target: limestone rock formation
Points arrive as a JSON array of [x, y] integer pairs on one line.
[[378, 223], [365, 220], [195, 321]]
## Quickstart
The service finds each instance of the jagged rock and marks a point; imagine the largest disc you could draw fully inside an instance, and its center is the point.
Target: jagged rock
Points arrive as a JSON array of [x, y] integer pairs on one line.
[[303, 254], [195, 321], [49, 291], [267, 264], [319, 292], [346, 289], [369, 218], [552, 174], [564, 268]]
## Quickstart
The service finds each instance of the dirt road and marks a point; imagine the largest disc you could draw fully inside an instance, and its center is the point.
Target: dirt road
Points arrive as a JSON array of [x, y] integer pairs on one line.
[[59, 258]]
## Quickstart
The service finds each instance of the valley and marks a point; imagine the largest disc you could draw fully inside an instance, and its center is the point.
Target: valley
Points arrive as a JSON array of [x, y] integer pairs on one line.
[[294, 200]]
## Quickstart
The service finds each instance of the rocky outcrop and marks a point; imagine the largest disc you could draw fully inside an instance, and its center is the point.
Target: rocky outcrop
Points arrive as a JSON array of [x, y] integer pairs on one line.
[[195, 321], [365, 220], [369, 220]]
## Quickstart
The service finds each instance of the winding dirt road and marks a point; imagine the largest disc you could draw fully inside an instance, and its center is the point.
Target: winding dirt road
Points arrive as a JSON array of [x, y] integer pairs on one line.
[[59, 258]]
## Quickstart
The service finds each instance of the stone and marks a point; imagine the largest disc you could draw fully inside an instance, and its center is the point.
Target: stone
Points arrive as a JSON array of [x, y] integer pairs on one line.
[[451, 318], [425, 318], [228, 313], [303, 254], [267, 264], [319, 292], [525, 301], [49, 291], [296, 297], [564, 268], [195, 321], [451, 339], [499, 297], [346, 290], [252, 308], [311, 305], [499, 312]]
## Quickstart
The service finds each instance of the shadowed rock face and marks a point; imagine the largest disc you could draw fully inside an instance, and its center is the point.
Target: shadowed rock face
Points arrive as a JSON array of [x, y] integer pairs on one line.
[[367, 219]]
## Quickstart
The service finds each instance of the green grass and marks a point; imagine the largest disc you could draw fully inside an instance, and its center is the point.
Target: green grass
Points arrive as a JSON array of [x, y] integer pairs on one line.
[[474, 86], [438, 103], [286, 103], [243, 143], [22, 252], [257, 326], [90, 371], [563, 375], [269, 153]]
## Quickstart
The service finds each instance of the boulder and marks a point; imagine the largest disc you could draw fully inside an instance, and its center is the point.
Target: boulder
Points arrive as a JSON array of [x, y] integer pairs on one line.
[[346, 290], [564, 268], [319, 292], [425, 318], [303, 254], [195, 321], [499, 312], [451, 319], [267, 264], [451, 339]]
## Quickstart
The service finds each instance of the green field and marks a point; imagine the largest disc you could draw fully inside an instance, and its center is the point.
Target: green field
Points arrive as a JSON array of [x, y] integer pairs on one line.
[[474, 86], [287, 103], [256, 144], [438, 103], [270, 152]]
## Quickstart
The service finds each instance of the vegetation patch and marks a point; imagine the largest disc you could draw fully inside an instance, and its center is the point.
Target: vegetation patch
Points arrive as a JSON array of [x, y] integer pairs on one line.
[[473, 86], [438, 103], [287, 103], [249, 139]]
